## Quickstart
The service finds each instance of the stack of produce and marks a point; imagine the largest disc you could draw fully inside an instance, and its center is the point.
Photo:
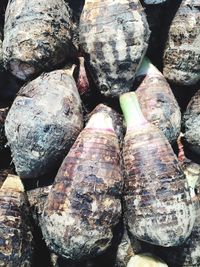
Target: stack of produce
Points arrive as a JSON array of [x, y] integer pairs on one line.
[[90, 171]]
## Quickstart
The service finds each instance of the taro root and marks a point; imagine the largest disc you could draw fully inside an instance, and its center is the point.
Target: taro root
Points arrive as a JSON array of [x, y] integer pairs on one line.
[[157, 205], [191, 123], [127, 248], [114, 36], [43, 123], [83, 206], [157, 101], [182, 51], [37, 36], [146, 260], [16, 240]]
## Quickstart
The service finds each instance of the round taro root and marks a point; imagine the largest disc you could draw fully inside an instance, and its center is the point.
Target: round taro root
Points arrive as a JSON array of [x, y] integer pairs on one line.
[[114, 36], [158, 207], [43, 122], [84, 206], [16, 240], [37, 36]]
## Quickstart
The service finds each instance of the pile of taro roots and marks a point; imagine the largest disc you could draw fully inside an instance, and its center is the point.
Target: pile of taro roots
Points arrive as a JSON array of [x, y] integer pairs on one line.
[[100, 133]]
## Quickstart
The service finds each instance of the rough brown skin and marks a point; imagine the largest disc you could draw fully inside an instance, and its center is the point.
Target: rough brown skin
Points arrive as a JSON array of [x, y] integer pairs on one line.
[[117, 120], [16, 241], [3, 114], [157, 204], [37, 36], [126, 249], [37, 198], [43, 123], [187, 255], [159, 105], [114, 36], [84, 205], [191, 123], [182, 52]]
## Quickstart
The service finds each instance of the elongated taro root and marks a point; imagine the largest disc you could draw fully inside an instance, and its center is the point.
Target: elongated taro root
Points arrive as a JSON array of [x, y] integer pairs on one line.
[[16, 240], [157, 101], [37, 36], [43, 123], [127, 248], [114, 35], [182, 52], [83, 205], [157, 204], [146, 260], [191, 123]]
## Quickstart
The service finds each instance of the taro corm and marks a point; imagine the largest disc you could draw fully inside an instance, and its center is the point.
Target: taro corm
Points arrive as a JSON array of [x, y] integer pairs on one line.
[[37, 36], [158, 207], [114, 37], [84, 206], [43, 122]]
